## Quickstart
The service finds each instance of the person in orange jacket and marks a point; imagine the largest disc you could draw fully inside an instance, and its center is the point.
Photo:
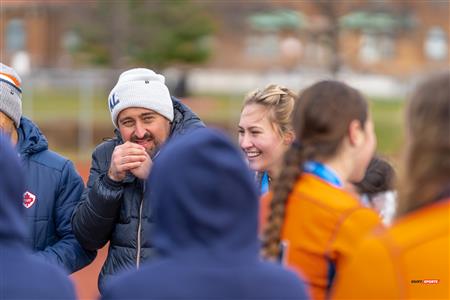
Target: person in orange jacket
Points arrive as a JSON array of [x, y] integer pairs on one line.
[[411, 259], [313, 223]]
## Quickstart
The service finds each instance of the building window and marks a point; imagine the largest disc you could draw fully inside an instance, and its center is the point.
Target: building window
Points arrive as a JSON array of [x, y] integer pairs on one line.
[[435, 46], [15, 35], [265, 45], [376, 47]]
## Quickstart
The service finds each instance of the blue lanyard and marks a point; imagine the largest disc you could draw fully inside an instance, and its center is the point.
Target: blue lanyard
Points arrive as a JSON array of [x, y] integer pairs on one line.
[[264, 183], [323, 172]]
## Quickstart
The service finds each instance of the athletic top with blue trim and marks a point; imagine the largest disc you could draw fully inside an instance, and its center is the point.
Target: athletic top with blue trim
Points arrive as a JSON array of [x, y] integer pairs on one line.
[[264, 183], [322, 225]]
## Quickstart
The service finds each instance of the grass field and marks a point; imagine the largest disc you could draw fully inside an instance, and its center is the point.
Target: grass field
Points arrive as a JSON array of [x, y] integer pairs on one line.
[[388, 116], [217, 110], [63, 104]]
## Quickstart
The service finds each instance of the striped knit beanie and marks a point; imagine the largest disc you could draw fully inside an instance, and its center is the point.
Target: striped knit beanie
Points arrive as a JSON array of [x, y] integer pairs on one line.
[[10, 93]]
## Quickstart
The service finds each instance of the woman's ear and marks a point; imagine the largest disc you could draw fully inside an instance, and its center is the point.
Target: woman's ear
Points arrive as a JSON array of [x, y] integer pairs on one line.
[[288, 137], [355, 133]]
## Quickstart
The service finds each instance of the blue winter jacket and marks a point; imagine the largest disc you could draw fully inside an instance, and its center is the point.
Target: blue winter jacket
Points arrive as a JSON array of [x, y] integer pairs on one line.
[[116, 211], [22, 275], [205, 207], [52, 190]]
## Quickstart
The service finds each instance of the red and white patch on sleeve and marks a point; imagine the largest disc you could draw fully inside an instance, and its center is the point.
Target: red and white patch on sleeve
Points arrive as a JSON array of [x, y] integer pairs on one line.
[[28, 199]]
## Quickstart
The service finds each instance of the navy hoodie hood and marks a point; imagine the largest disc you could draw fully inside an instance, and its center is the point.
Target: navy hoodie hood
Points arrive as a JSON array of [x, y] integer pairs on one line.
[[12, 212], [204, 200], [205, 206]]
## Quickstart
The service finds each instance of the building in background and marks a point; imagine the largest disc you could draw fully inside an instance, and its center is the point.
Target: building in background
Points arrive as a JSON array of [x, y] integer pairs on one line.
[[389, 37], [399, 38], [32, 33]]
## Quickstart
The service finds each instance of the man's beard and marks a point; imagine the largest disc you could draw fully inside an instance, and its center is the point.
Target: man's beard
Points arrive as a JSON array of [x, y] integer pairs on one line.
[[148, 137]]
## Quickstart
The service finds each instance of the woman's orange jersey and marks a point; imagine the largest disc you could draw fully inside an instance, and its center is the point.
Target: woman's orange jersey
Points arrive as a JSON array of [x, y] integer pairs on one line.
[[408, 260], [322, 225]]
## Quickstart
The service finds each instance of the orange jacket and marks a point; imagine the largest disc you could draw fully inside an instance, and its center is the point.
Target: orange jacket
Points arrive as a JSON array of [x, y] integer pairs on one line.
[[322, 225], [264, 210], [409, 260]]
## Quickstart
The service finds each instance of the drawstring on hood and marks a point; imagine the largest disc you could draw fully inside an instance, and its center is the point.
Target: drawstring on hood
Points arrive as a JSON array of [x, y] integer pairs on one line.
[[204, 200]]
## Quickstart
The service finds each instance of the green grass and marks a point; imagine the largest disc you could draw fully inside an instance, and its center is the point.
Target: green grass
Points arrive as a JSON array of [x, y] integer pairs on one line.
[[63, 104], [218, 110], [387, 115], [388, 119]]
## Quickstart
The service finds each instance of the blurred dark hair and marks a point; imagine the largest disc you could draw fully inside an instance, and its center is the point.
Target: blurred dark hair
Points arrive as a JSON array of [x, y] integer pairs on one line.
[[379, 177], [426, 167], [321, 118]]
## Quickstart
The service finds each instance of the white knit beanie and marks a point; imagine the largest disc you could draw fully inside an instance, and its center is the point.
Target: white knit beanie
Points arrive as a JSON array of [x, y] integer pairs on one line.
[[10, 94], [140, 88]]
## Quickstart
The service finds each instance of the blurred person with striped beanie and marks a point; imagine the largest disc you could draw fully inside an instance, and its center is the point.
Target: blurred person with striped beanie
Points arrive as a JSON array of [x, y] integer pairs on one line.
[[52, 185], [23, 276]]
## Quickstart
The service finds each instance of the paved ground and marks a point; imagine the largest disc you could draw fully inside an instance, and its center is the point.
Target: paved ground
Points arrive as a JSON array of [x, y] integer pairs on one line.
[[85, 280]]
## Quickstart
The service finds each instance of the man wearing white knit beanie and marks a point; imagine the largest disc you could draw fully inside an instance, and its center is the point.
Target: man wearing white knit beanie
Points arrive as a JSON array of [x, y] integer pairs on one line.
[[141, 108], [145, 117]]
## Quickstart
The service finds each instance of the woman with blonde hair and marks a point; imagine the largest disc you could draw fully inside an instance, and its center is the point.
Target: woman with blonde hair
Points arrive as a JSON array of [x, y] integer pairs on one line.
[[265, 131], [411, 259], [314, 223]]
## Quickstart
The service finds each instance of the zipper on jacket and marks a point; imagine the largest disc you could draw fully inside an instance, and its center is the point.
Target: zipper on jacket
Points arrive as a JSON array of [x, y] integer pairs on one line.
[[138, 258], [138, 252]]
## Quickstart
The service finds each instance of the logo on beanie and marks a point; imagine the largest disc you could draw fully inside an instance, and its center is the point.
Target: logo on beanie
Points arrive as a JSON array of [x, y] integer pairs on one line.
[[28, 199], [113, 101]]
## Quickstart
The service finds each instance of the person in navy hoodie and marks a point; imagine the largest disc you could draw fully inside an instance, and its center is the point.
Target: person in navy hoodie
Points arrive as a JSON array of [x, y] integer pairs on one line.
[[22, 275], [205, 229], [52, 185]]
